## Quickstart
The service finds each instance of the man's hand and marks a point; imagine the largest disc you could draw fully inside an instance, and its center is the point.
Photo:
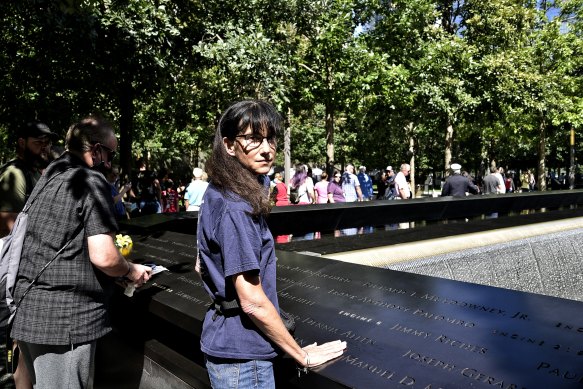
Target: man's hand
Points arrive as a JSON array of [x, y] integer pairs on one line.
[[139, 274]]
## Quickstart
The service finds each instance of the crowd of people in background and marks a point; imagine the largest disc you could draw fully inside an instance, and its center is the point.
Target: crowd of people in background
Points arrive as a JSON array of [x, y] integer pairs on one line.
[[148, 193]]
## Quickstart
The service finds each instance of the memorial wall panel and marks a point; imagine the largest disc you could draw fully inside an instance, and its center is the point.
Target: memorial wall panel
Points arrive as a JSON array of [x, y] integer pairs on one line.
[[403, 330]]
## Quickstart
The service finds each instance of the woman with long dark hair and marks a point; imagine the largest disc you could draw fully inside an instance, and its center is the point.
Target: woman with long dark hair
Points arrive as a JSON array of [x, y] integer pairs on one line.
[[335, 193], [243, 331], [302, 181]]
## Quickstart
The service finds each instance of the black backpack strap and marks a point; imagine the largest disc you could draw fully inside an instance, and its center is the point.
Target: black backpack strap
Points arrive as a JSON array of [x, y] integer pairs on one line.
[[30, 201], [29, 184]]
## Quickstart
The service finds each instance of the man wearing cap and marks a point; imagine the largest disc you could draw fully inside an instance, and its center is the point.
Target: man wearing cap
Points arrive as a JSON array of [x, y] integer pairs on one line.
[[19, 176], [457, 185], [390, 191], [195, 191]]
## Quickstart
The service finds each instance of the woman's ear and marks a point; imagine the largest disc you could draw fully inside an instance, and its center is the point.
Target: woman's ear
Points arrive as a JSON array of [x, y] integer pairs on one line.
[[229, 146]]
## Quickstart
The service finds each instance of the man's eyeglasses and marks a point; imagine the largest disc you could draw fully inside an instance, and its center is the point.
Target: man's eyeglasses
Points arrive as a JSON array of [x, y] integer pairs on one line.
[[110, 152], [253, 141]]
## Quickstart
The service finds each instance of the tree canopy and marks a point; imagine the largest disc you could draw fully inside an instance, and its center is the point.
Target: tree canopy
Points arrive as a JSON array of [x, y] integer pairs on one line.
[[358, 81]]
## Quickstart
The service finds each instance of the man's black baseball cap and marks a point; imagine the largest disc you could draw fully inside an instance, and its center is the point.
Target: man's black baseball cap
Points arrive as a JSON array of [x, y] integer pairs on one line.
[[36, 130]]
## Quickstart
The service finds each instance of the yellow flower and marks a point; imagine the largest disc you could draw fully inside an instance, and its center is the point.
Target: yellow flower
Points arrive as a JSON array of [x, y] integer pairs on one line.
[[124, 244]]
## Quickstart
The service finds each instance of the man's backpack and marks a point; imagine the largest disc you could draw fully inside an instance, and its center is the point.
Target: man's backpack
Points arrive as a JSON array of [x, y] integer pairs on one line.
[[10, 254], [10, 251], [294, 195]]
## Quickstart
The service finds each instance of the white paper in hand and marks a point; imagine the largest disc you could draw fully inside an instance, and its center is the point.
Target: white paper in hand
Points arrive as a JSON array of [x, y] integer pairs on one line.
[[130, 289]]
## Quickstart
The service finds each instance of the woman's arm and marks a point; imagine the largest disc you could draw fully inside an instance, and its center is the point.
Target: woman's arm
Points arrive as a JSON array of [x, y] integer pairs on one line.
[[261, 311], [122, 192], [330, 198], [312, 196]]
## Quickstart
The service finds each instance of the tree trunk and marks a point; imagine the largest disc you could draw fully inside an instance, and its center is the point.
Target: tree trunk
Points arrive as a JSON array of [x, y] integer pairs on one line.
[[542, 180], [126, 129], [484, 168], [572, 158], [448, 146], [330, 161], [410, 130], [330, 108]]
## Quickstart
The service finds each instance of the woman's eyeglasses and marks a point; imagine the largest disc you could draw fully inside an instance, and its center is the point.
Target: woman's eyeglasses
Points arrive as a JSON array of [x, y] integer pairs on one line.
[[253, 141]]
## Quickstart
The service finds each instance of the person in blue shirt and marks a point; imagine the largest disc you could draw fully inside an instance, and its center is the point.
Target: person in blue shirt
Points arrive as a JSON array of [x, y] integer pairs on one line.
[[243, 332], [365, 184], [112, 177]]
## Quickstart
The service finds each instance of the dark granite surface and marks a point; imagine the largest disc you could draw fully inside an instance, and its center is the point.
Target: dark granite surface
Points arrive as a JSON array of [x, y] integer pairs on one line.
[[403, 330]]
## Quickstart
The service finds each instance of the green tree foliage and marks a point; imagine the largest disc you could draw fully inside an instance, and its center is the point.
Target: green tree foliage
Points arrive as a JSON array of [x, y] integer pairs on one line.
[[359, 81]]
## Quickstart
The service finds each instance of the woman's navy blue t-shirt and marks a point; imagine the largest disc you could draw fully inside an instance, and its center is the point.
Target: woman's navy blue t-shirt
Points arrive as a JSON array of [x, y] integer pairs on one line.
[[231, 241]]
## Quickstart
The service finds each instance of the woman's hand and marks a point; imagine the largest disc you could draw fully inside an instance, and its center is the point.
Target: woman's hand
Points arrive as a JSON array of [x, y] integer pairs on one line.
[[317, 355]]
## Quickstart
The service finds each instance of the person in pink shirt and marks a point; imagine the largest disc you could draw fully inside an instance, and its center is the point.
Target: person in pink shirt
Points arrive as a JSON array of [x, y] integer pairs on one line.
[[321, 189]]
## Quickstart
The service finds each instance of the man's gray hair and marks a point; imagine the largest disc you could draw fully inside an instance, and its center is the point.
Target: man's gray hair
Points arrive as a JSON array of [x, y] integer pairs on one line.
[[82, 135], [405, 166]]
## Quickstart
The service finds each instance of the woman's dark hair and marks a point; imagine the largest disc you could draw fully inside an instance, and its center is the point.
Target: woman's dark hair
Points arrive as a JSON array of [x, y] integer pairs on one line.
[[225, 171], [341, 177]]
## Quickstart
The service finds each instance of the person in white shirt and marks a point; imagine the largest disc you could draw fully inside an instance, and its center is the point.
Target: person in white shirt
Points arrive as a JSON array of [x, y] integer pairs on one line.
[[501, 186], [302, 180], [401, 185], [351, 185]]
